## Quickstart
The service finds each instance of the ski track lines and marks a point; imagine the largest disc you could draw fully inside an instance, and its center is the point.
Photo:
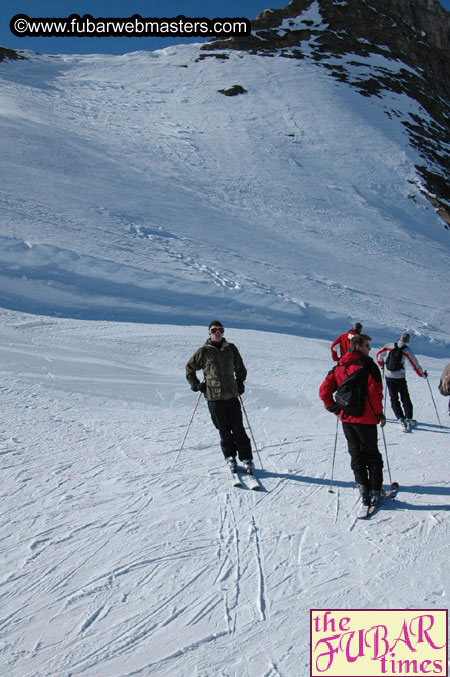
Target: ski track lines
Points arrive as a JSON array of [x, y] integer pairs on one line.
[[113, 565]]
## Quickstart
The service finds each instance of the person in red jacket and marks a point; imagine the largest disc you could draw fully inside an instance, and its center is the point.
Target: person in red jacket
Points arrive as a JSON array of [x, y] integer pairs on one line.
[[343, 341], [360, 431]]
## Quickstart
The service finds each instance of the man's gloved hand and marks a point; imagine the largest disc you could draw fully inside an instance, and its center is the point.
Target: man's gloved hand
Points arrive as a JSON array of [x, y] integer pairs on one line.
[[335, 409], [381, 419], [241, 387], [425, 373], [199, 387]]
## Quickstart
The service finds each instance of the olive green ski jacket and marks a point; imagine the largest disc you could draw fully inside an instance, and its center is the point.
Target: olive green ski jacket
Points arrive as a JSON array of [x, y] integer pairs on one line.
[[223, 369]]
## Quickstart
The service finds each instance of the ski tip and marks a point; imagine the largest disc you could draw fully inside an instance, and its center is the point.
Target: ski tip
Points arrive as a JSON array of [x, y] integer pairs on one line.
[[395, 485]]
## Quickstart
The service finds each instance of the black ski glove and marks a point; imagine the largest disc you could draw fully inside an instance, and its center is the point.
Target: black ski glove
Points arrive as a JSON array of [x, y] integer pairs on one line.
[[199, 387], [425, 373], [241, 387], [381, 419], [335, 409]]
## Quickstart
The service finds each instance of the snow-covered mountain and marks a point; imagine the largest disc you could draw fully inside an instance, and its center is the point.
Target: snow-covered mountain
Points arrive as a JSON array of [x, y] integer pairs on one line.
[[294, 206], [137, 195]]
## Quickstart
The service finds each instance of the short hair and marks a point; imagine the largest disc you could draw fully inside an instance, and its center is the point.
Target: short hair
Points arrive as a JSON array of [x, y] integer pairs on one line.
[[357, 327], [359, 339], [216, 323]]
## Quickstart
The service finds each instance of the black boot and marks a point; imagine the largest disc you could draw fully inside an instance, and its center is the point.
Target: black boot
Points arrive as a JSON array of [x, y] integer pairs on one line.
[[248, 466], [231, 460], [377, 497], [365, 494]]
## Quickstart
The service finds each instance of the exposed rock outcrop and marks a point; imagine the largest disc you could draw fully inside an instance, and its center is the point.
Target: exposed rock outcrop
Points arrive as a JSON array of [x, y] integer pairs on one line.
[[9, 54]]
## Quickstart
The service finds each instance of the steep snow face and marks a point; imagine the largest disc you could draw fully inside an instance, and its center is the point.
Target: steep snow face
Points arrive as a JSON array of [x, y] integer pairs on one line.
[[132, 189]]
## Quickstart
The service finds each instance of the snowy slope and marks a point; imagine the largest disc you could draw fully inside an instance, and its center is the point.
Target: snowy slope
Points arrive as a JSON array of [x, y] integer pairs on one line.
[[132, 191], [115, 564], [294, 207]]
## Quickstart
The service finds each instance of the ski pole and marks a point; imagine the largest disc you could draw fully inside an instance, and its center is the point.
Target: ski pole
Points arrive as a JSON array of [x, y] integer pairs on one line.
[[435, 407], [387, 456], [334, 456], [251, 432], [187, 429]]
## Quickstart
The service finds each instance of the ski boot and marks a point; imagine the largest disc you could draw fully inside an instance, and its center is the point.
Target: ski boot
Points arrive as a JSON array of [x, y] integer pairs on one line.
[[248, 466], [231, 461], [411, 422], [404, 424], [376, 498], [365, 494]]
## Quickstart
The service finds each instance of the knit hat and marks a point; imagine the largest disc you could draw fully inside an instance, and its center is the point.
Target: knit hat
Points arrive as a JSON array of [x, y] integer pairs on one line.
[[357, 327], [405, 337]]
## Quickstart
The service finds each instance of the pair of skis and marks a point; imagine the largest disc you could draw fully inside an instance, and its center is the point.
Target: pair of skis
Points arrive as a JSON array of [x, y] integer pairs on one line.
[[391, 493], [251, 480]]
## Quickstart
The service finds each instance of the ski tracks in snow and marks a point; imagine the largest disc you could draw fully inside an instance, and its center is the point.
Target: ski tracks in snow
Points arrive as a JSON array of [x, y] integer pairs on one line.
[[241, 564], [114, 565]]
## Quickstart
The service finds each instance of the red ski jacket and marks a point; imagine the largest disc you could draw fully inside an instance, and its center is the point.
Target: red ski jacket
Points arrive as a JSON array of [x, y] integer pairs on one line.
[[343, 341], [374, 397]]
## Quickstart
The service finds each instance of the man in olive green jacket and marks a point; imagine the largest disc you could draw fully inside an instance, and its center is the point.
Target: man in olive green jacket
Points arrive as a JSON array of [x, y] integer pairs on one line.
[[224, 373]]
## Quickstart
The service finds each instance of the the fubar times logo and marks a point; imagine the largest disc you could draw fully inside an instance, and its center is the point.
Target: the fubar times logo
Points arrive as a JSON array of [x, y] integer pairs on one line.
[[379, 642]]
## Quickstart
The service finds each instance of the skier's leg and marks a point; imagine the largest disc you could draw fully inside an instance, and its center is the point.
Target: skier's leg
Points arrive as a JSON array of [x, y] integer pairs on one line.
[[406, 400], [219, 417], [357, 464], [392, 385], [374, 461], [241, 439]]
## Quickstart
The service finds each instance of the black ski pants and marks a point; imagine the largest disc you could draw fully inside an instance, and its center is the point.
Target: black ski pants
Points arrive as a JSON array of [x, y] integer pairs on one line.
[[227, 417], [367, 462], [398, 387]]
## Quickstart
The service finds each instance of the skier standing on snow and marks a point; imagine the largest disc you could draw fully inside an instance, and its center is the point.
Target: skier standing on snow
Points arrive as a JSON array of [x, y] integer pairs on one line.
[[224, 373], [343, 341], [444, 384], [392, 356], [360, 431]]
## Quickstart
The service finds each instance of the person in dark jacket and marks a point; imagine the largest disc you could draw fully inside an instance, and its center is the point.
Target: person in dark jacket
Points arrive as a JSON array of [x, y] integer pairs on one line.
[[343, 341], [360, 431], [224, 373]]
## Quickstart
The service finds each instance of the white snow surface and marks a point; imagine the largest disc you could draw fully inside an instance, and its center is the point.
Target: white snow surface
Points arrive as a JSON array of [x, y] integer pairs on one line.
[[132, 189], [114, 563], [136, 204], [311, 16]]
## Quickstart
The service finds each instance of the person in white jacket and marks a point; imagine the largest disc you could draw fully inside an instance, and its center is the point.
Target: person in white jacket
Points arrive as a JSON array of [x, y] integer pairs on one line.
[[396, 377]]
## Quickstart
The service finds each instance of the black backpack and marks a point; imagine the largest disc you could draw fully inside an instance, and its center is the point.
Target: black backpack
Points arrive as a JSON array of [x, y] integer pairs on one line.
[[394, 359], [351, 394]]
